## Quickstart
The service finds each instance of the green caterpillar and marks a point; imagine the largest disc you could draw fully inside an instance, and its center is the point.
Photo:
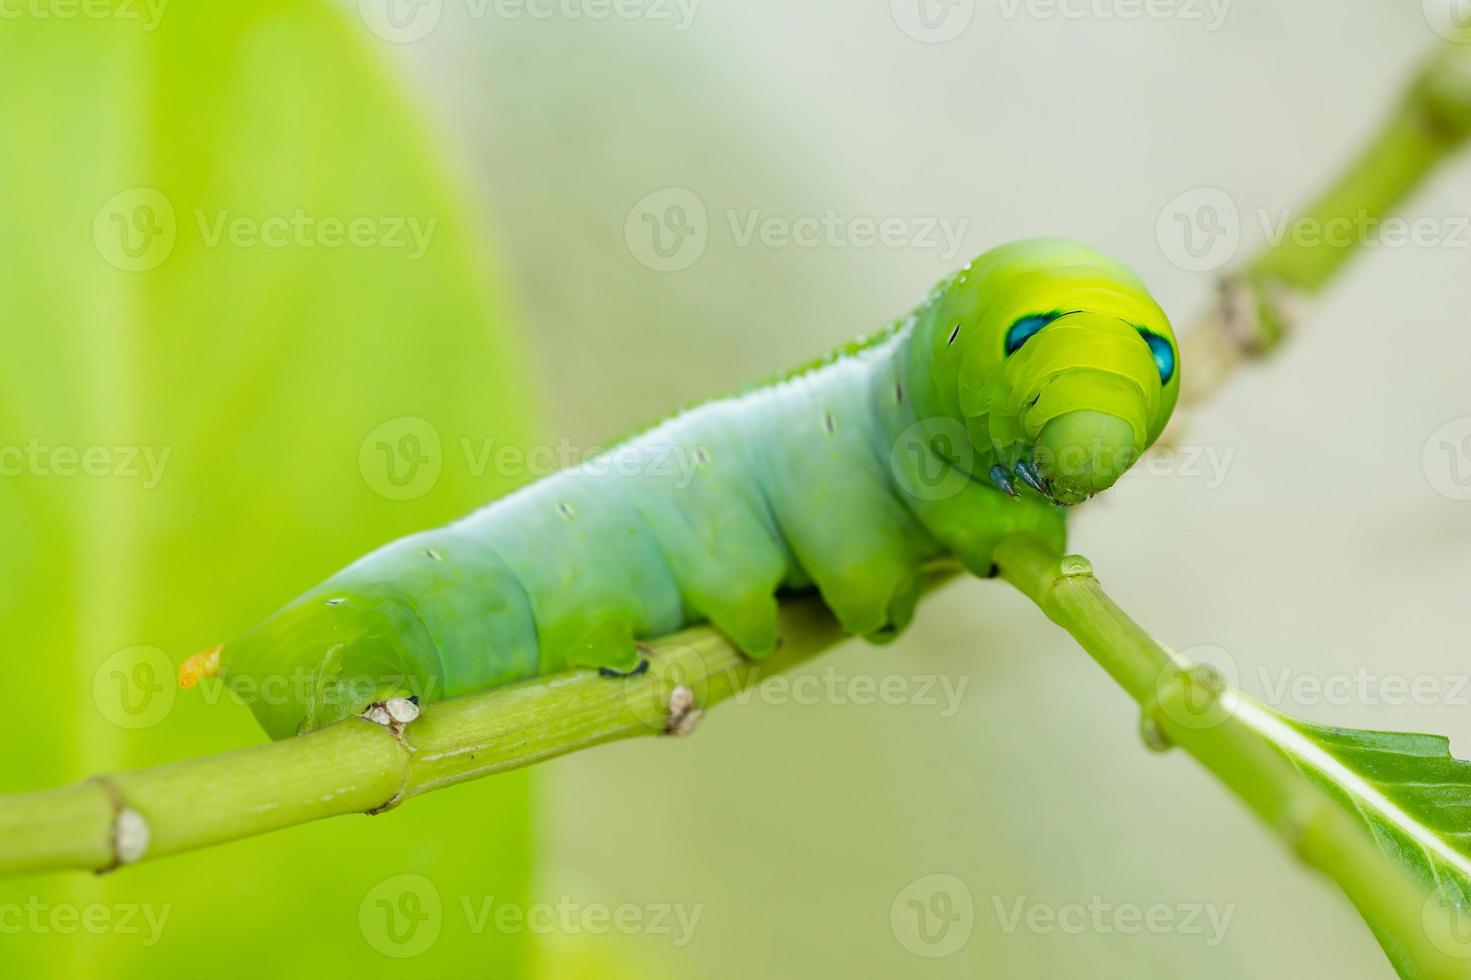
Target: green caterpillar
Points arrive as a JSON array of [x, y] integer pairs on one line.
[[1026, 382]]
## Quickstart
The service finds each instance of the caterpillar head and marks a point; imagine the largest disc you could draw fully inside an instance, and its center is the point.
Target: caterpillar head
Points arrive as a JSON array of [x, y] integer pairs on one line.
[[1067, 369]]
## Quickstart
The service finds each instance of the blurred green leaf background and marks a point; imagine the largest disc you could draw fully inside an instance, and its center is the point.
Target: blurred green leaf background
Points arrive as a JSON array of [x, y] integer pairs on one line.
[[529, 148], [251, 367]]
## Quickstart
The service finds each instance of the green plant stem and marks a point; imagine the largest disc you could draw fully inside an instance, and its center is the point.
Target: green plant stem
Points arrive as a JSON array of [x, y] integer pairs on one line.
[[1258, 306], [1187, 705], [357, 766]]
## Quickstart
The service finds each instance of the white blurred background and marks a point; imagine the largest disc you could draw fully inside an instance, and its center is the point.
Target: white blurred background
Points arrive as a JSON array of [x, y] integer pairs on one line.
[[1309, 542]]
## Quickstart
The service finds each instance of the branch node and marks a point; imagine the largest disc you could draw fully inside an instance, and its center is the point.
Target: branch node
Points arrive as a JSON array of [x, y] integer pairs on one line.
[[128, 834], [1238, 316], [1152, 732], [391, 804], [683, 714], [395, 714], [1255, 312], [1209, 679], [1185, 696]]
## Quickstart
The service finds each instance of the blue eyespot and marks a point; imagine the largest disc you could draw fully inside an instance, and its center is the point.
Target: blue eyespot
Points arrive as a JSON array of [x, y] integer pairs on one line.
[[1021, 331], [1164, 354]]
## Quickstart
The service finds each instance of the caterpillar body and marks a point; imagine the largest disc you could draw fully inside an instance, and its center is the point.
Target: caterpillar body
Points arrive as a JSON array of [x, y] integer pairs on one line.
[[1023, 384]]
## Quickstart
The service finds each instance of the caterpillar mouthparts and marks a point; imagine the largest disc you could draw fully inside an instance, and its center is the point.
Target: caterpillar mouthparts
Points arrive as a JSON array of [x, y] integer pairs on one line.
[[1083, 453], [1077, 455]]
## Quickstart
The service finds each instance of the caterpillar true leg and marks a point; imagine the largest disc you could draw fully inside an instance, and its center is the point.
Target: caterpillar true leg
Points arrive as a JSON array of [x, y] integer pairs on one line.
[[1002, 478], [1027, 470]]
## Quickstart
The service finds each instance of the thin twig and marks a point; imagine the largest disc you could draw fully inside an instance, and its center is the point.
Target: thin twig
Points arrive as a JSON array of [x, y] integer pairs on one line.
[[1257, 307], [357, 766], [1170, 690]]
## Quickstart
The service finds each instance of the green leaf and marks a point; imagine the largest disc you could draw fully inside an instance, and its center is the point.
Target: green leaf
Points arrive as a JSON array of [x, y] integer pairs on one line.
[[225, 371], [1413, 797]]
